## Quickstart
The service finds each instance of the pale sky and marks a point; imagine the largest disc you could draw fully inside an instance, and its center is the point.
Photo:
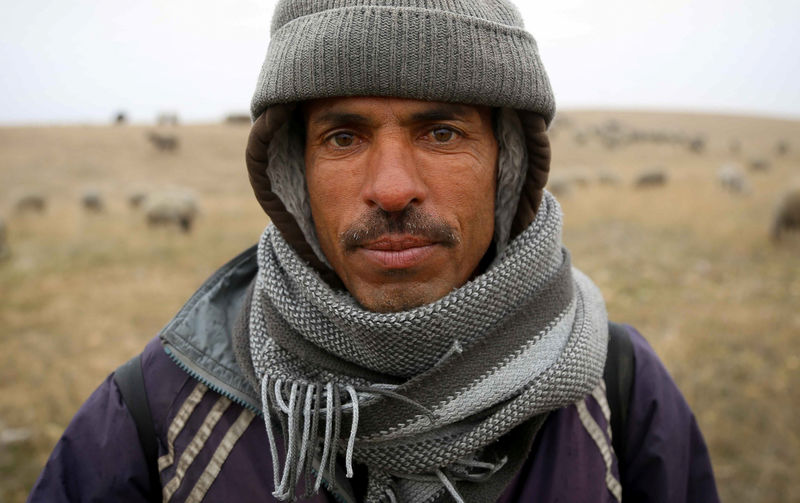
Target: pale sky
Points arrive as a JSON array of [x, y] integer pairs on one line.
[[81, 60]]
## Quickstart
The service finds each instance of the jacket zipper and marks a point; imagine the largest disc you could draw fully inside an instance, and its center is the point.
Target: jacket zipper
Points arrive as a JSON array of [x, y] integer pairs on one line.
[[187, 367]]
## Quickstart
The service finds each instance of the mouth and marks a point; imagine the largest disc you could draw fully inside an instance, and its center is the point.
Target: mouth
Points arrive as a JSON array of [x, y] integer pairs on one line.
[[398, 251]]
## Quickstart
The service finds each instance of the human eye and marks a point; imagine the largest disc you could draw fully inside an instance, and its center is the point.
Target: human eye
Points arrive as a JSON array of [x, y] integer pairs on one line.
[[443, 134], [341, 139]]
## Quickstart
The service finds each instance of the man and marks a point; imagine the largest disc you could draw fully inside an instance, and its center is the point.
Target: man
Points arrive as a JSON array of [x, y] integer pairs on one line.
[[410, 327]]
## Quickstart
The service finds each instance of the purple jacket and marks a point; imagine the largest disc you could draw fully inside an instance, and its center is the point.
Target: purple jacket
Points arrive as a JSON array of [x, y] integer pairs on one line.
[[213, 444]]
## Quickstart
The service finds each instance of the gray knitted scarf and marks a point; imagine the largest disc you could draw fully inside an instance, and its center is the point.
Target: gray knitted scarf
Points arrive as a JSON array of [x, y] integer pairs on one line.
[[422, 397]]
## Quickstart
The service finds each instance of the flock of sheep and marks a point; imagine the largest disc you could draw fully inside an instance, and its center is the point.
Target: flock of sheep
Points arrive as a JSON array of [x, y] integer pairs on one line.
[[175, 209], [179, 209], [731, 176]]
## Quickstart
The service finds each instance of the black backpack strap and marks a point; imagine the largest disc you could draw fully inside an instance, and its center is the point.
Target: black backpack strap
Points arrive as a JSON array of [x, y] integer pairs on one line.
[[618, 376], [130, 380]]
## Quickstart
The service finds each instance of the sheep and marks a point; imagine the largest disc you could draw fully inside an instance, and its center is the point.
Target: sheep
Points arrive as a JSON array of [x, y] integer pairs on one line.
[[580, 138], [171, 209], [759, 164], [4, 250], [606, 177], [782, 148], [31, 203], [92, 201], [787, 214], [162, 142], [580, 177], [559, 185], [652, 177], [167, 119], [135, 199], [238, 118], [697, 145], [731, 178]]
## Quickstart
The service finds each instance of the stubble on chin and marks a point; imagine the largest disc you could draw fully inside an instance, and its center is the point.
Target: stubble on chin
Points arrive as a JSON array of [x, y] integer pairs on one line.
[[396, 298]]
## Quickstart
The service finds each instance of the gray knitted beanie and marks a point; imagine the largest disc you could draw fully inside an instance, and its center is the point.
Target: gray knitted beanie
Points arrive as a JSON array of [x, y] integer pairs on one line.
[[463, 51]]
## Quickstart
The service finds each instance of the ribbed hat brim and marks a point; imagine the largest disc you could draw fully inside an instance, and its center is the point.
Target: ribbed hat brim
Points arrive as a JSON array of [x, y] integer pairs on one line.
[[403, 52]]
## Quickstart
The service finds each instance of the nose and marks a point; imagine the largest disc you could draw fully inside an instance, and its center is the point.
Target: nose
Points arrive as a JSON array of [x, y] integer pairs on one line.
[[393, 179]]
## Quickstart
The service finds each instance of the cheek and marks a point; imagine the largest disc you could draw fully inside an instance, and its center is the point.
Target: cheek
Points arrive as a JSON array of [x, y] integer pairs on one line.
[[478, 207], [471, 194], [332, 193]]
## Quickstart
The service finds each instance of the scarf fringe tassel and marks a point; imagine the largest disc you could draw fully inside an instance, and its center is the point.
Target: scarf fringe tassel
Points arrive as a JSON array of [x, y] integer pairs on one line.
[[300, 421], [300, 425]]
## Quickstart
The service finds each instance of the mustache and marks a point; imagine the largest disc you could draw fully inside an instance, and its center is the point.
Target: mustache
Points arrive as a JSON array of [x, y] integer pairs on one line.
[[411, 221]]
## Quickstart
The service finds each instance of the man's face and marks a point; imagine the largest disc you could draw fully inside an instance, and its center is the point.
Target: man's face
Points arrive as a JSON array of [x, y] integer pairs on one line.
[[402, 195]]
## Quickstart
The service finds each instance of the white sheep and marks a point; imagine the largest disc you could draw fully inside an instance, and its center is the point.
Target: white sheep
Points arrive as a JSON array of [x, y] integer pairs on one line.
[[171, 209], [732, 178]]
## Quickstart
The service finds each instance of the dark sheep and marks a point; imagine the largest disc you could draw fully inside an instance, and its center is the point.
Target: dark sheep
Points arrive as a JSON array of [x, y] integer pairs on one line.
[[787, 214], [163, 142], [31, 203], [92, 201], [759, 165], [653, 177], [697, 145], [4, 250], [136, 199], [238, 119]]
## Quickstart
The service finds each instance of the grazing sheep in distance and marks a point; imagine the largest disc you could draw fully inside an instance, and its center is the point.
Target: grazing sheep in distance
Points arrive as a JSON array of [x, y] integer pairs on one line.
[[652, 177], [606, 177], [92, 201], [731, 178], [31, 203], [4, 251], [697, 145], [559, 185], [759, 165], [171, 209], [163, 142], [243, 119], [136, 199], [580, 177], [167, 119], [782, 148], [787, 214]]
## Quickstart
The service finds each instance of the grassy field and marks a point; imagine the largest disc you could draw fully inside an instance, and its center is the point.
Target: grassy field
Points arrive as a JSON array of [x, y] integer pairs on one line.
[[689, 264]]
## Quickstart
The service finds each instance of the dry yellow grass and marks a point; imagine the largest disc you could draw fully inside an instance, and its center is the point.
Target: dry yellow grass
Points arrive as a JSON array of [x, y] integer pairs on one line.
[[689, 264]]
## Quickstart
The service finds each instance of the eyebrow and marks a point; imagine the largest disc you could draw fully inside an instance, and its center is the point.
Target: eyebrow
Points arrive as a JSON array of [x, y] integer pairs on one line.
[[340, 118], [439, 112]]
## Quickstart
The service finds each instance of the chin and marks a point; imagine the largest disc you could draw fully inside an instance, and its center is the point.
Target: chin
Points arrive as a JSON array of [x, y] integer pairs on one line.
[[396, 298]]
